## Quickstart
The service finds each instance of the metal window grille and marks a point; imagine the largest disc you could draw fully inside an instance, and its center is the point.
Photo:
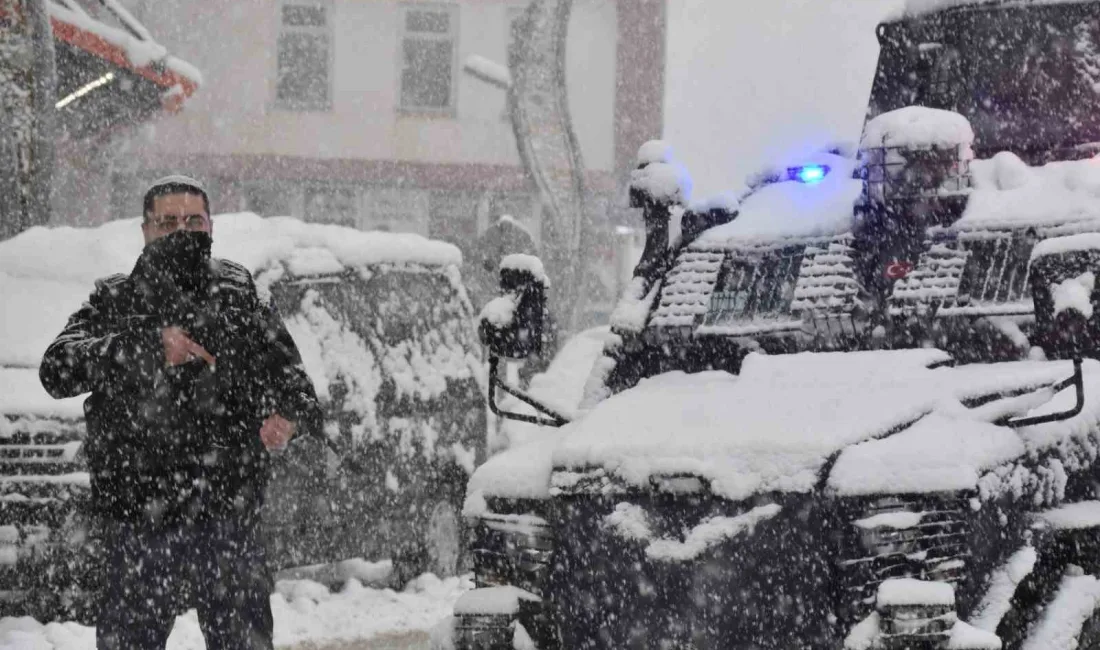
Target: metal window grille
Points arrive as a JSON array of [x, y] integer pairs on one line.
[[428, 57], [892, 173], [757, 286]]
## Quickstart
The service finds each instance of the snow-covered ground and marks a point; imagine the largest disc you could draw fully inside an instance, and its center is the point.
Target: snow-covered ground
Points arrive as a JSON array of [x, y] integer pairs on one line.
[[307, 615]]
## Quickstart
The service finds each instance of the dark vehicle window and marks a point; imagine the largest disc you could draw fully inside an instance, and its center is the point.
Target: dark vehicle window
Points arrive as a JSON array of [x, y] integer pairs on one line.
[[1025, 77], [756, 286]]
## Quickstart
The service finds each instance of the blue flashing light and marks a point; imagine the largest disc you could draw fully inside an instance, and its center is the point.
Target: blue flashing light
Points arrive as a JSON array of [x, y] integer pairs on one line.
[[808, 174]]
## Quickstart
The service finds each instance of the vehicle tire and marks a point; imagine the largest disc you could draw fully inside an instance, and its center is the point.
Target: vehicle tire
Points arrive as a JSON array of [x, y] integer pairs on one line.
[[440, 550], [444, 542]]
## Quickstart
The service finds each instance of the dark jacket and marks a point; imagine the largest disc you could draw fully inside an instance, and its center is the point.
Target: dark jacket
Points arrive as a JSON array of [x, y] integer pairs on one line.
[[167, 444]]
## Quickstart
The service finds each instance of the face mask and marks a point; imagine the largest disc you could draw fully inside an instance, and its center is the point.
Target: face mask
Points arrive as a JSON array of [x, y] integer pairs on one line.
[[183, 256]]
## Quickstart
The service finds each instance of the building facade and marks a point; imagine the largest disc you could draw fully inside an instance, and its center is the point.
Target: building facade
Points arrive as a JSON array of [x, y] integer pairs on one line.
[[358, 111]]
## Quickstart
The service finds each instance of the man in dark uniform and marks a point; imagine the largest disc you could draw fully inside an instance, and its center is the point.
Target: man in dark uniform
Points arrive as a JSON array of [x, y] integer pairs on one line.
[[192, 379]]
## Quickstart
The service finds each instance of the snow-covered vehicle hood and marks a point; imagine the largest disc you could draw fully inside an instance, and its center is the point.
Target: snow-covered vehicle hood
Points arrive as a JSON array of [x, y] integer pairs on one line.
[[848, 423]]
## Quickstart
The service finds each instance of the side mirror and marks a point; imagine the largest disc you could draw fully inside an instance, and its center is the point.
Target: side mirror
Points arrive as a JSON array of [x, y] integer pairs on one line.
[[512, 324]]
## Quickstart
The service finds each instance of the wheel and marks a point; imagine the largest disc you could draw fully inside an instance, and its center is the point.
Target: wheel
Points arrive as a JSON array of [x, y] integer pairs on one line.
[[439, 550], [443, 540]]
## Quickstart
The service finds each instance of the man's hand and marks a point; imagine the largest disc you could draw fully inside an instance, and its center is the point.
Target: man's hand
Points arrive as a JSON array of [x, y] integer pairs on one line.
[[277, 431], [180, 349]]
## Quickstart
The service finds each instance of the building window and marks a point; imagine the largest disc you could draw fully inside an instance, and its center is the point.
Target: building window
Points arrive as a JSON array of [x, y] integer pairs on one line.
[[395, 210], [304, 56], [332, 204], [428, 57]]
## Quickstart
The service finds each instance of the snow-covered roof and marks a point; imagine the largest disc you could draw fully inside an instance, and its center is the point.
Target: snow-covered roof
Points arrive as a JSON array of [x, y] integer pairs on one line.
[[775, 426], [792, 210], [130, 38], [46, 273]]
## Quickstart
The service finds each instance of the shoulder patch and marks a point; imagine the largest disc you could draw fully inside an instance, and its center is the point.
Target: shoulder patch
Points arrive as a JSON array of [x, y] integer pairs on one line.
[[111, 281], [234, 272], [111, 287]]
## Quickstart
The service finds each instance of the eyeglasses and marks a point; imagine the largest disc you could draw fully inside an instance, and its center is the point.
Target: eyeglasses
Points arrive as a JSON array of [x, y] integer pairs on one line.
[[173, 222]]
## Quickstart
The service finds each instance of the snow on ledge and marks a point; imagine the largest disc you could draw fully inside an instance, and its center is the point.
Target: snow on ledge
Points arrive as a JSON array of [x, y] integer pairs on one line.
[[892, 520], [917, 126], [1073, 516], [501, 601], [899, 592], [1088, 241]]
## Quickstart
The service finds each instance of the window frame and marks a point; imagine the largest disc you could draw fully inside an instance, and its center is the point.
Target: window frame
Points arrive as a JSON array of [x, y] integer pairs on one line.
[[328, 31], [452, 35]]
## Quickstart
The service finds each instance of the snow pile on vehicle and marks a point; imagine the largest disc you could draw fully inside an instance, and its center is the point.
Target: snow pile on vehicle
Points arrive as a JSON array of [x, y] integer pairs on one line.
[[955, 450], [666, 182], [529, 263], [893, 424], [896, 592], [632, 310], [774, 427], [1077, 599], [708, 534], [791, 209], [1075, 293], [1009, 194], [46, 273], [306, 614], [917, 127], [1003, 581], [769, 429], [654, 151], [1073, 516], [1087, 241], [500, 311]]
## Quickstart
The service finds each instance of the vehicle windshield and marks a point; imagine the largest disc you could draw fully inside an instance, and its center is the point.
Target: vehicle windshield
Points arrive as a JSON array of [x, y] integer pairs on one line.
[[1009, 70]]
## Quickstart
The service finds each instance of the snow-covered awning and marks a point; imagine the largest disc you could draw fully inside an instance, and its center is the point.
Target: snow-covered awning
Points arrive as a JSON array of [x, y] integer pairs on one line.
[[110, 70]]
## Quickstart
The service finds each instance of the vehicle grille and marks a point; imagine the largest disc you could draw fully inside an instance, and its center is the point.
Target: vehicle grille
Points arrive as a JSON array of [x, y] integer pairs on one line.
[[513, 550], [44, 487], [919, 537]]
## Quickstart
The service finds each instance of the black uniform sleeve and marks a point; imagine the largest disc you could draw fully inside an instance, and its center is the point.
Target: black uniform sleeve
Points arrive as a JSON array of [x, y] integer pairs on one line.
[[291, 391], [92, 354]]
